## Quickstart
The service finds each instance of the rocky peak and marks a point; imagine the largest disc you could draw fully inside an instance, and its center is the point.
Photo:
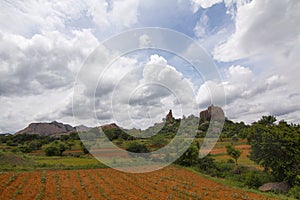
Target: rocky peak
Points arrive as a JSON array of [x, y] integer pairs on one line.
[[214, 112], [169, 117]]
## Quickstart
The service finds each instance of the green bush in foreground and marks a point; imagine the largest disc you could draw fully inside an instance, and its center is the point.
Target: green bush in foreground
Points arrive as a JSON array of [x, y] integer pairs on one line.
[[294, 192]]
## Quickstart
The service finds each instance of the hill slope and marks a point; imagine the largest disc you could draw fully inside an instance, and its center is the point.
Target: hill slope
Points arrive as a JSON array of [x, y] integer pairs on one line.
[[47, 128]]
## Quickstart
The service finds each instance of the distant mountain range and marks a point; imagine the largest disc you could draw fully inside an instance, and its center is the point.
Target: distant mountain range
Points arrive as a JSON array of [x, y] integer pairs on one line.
[[57, 128]]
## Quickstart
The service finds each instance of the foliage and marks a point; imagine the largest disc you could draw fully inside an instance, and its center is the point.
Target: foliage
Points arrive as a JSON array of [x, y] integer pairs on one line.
[[294, 192], [190, 157], [83, 148], [158, 141], [276, 148], [233, 152], [117, 133], [267, 120], [255, 178], [52, 151], [20, 139], [55, 149], [137, 147], [24, 149], [207, 164]]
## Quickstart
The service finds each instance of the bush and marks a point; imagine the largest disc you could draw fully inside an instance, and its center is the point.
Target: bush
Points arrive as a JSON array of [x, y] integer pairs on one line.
[[207, 165], [83, 148], [52, 151], [294, 192], [137, 147], [190, 157], [55, 149], [25, 149], [35, 145], [253, 179]]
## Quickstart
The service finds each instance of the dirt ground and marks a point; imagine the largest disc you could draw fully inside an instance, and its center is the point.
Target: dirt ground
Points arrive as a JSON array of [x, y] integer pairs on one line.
[[168, 183]]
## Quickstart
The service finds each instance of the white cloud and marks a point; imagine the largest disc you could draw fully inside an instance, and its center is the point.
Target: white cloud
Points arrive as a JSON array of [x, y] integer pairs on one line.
[[120, 13], [145, 94], [134, 96], [201, 26], [47, 61], [249, 96], [262, 27], [204, 4], [144, 41]]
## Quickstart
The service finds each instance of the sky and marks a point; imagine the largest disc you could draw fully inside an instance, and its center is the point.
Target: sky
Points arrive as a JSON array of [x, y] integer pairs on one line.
[[46, 46]]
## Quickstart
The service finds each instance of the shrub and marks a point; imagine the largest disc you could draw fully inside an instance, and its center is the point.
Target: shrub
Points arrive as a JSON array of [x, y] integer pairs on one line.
[[35, 145], [233, 152], [137, 147], [190, 157], [294, 192], [25, 149], [253, 179], [52, 151], [206, 163], [55, 149], [83, 148]]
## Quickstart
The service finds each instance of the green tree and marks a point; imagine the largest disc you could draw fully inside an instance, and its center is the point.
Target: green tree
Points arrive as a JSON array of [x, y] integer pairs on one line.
[[234, 153], [52, 151], [56, 148], [190, 157], [267, 120], [276, 148], [83, 148]]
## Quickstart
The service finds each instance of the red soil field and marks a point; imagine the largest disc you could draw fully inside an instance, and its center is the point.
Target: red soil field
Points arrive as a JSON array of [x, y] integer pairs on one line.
[[243, 148], [168, 183]]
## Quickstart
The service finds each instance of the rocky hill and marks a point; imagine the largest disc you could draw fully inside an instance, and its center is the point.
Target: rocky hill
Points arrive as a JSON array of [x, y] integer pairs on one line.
[[109, 126], [47, 128], [214, 112], [83, 128]]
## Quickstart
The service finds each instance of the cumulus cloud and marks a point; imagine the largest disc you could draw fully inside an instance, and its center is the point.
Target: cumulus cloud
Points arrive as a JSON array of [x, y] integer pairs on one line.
[[43, 45], [266, 36], [204, 4], [48, 61], [135, 95], [249, 96], [261, 28], [117, 12]]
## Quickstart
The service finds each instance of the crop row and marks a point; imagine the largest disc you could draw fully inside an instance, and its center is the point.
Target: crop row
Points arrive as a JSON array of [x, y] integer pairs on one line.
[[108, 184]]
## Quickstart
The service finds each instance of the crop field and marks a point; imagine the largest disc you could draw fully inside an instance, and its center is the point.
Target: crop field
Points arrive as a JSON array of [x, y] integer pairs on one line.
[[169, 183]]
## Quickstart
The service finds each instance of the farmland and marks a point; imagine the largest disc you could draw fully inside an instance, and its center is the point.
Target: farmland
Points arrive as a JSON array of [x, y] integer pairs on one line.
[[169, 183]]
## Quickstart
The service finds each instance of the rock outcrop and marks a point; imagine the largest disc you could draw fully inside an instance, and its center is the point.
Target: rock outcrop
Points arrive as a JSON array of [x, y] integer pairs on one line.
[[47, 128], [169, 117], [213, 112], [109, 126], [276, 187]]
